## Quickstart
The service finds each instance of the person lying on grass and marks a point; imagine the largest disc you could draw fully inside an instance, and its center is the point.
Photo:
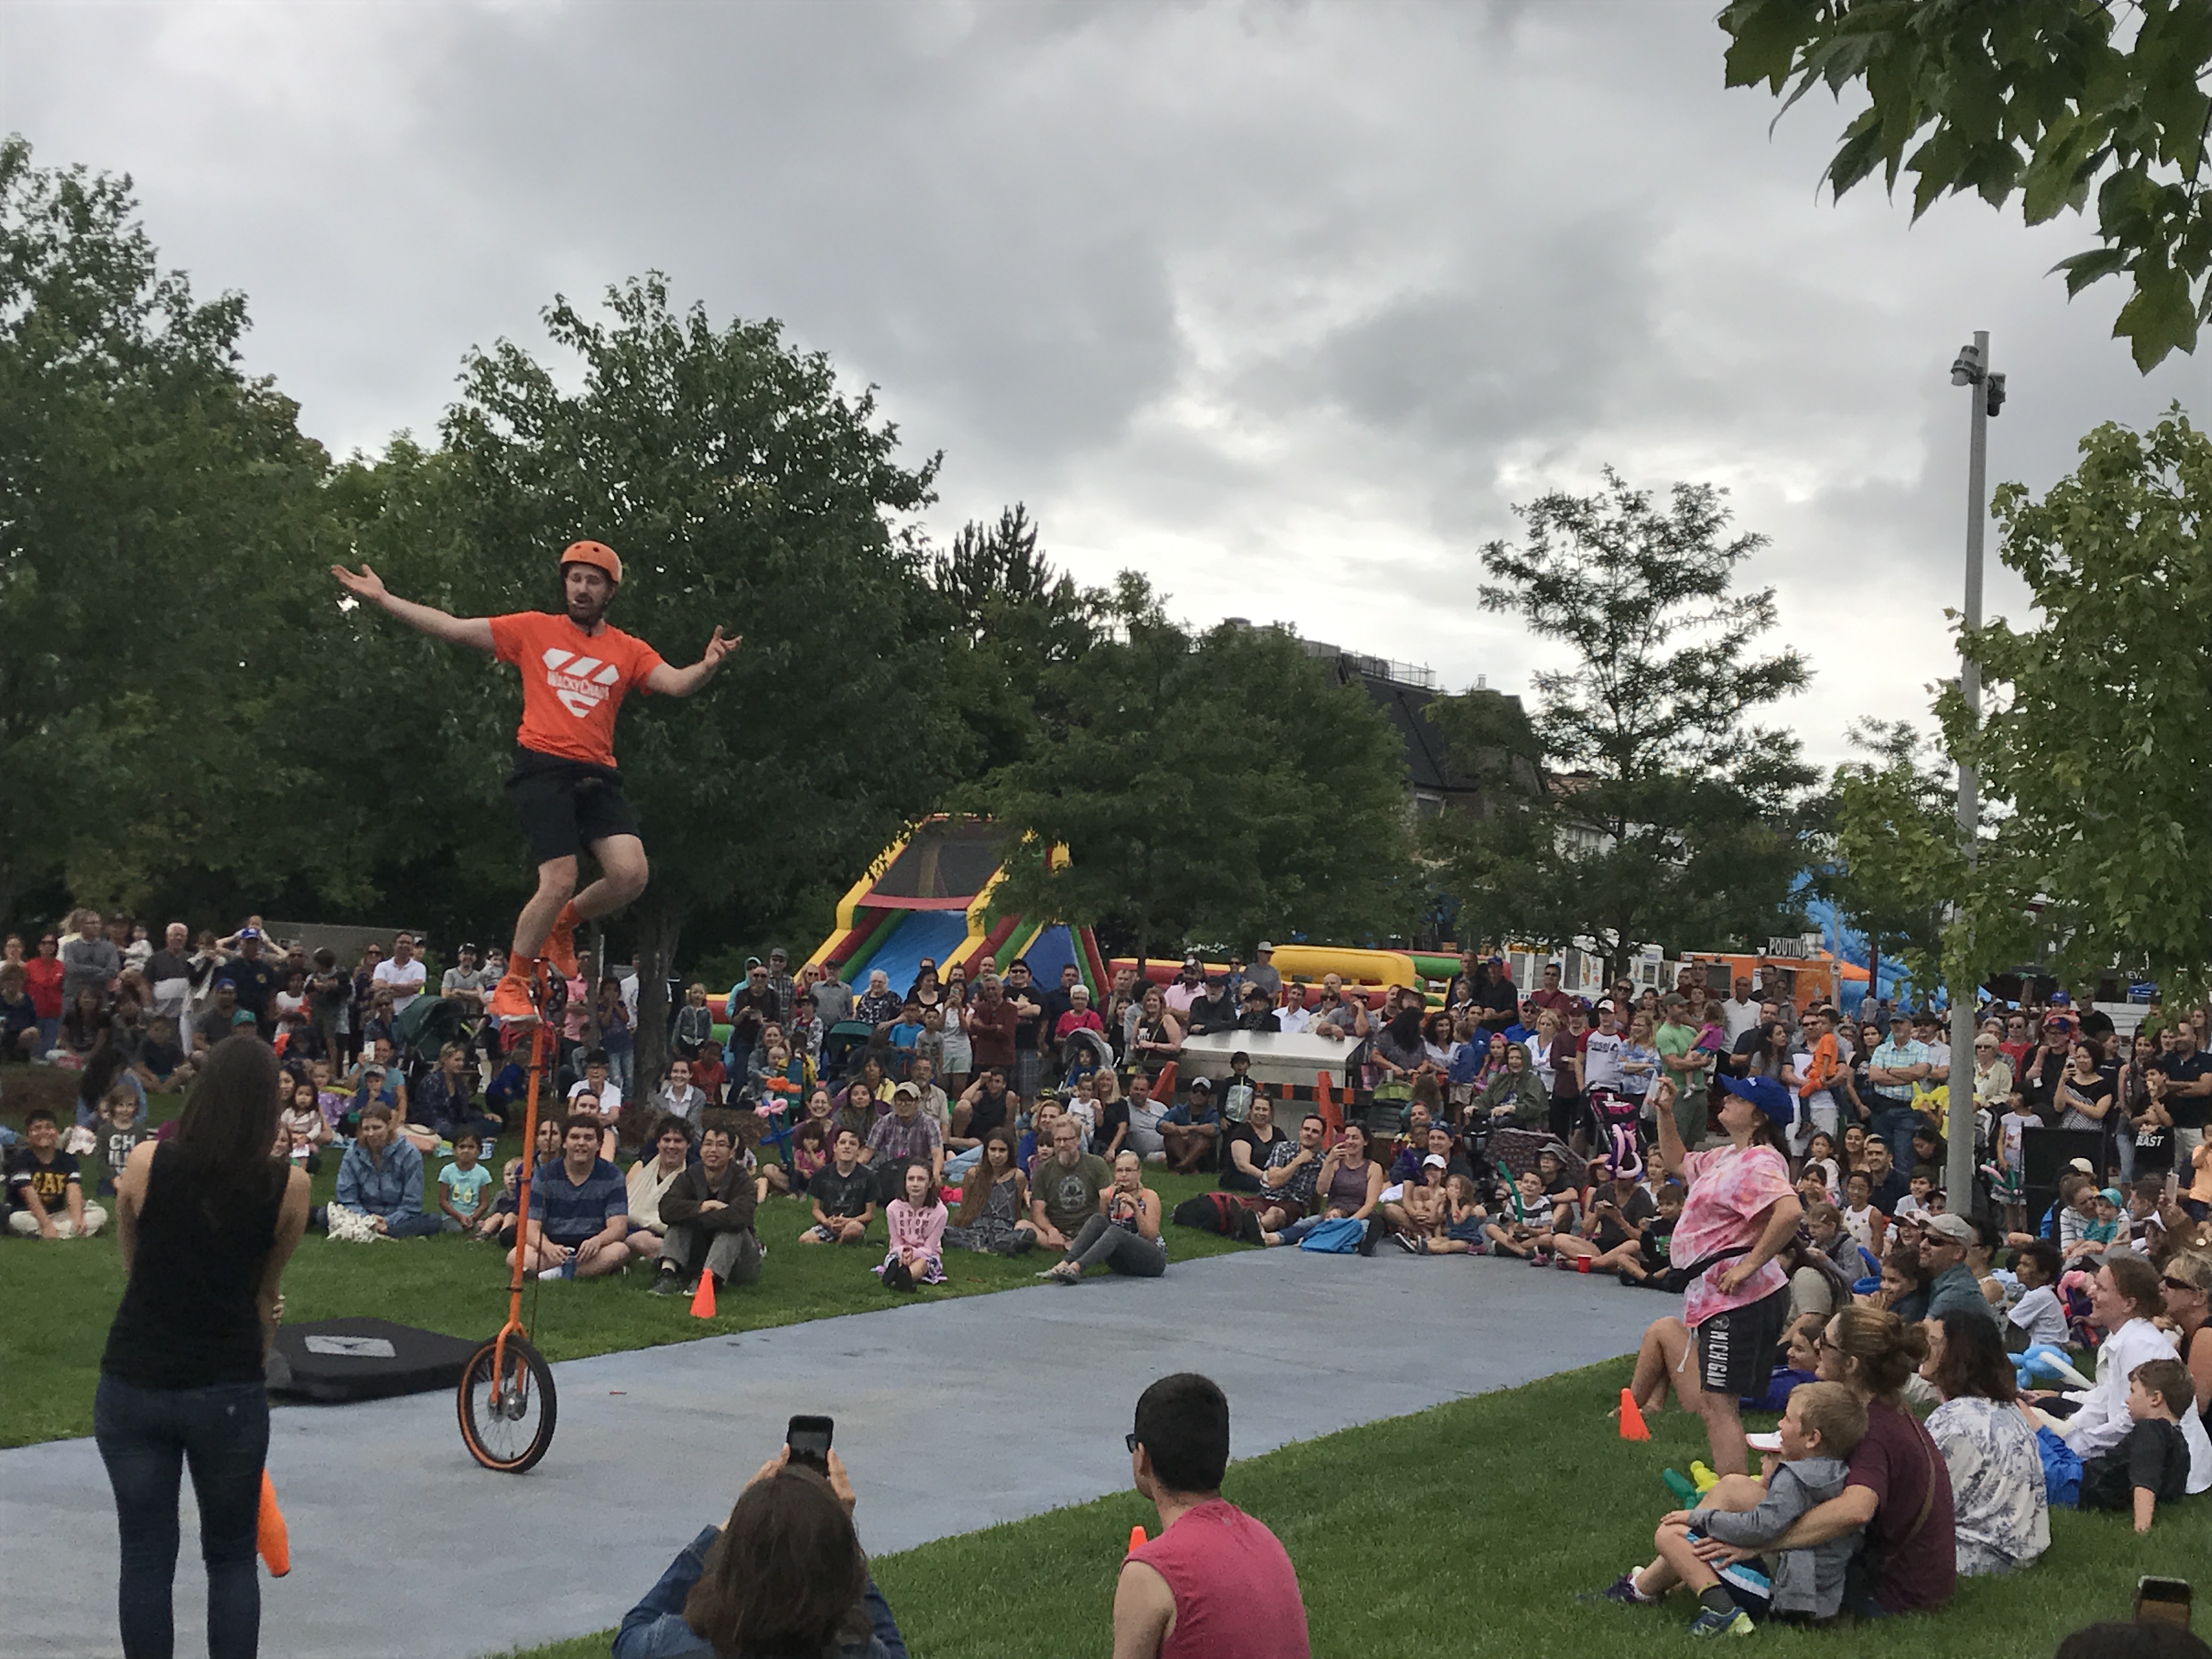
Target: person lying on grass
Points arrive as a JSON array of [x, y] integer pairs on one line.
[[1822, 1426], [842, 1193]]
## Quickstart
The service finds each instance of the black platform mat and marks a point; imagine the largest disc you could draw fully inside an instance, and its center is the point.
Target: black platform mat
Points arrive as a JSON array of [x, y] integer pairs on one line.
[[336, 1360]]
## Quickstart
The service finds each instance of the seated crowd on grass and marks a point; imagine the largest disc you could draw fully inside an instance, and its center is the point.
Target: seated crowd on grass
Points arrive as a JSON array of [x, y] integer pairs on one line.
[[991, 1115]]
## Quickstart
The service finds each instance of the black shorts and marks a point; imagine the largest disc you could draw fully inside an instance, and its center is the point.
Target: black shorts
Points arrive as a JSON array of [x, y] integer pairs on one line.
[[564, 805], [1736, 1349]]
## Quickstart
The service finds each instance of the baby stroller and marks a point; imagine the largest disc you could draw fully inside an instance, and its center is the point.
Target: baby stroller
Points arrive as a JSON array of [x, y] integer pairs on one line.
[[841, 1047], [1618, 1141]]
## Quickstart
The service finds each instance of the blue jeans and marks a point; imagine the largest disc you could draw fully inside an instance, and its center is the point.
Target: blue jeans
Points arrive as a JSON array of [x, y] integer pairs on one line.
[[146, 1436], [1895, 1123]]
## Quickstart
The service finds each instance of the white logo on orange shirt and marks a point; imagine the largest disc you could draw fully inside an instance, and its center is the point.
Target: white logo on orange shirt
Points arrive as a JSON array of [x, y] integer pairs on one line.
[[581, 683]]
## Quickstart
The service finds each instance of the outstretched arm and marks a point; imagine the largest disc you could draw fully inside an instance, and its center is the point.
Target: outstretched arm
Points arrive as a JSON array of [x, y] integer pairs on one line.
[[368, 587], [683, 682]]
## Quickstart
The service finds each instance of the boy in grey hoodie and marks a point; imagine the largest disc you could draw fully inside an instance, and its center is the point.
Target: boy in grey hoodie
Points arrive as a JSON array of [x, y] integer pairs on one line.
[[1821, 1428]]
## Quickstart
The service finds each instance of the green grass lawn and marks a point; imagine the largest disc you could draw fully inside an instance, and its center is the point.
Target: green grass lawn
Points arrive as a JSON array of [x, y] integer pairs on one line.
[[61, 1296], [1470, 1529]]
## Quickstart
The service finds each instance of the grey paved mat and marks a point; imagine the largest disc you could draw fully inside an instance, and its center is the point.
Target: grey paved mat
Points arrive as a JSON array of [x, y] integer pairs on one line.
[[402, 1546]]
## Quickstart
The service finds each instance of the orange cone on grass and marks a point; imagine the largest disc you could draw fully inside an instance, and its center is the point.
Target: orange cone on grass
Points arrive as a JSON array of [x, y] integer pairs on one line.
[[1633, 1426], [702, 1299], [271, 1537], [1136, 1539]]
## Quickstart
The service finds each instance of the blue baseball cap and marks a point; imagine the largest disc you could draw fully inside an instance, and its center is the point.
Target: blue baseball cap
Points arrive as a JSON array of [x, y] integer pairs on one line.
[[1764, 1093]]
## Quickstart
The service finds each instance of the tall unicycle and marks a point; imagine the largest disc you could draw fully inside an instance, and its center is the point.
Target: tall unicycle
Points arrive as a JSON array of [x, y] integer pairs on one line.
[[507, 1403]]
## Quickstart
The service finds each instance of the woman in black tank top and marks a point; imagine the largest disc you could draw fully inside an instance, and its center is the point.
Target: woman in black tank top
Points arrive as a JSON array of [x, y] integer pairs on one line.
[[206, 1223]]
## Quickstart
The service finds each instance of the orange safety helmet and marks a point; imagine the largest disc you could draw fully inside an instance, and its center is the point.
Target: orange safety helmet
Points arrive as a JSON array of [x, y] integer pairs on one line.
[[598, 555]]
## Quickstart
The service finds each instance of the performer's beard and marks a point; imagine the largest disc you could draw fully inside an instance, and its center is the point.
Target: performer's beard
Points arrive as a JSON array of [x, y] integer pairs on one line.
[[587, 612]]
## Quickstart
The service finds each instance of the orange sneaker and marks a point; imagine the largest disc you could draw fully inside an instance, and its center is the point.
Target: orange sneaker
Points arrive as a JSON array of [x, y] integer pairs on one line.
[[511, 1001], [561, 942]]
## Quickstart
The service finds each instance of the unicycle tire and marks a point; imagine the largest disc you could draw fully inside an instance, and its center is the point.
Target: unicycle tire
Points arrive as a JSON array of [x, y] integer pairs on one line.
[[507, 1419]]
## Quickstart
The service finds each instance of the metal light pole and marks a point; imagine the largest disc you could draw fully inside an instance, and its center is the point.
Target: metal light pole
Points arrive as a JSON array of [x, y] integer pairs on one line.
[[1970, 368]]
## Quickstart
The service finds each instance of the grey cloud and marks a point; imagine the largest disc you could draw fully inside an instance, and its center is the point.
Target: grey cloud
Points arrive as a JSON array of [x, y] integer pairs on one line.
[[1285, 304]]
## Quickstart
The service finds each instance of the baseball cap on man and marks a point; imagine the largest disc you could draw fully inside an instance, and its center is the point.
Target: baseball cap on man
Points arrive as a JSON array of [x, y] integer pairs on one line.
[[1950, 1228], [598, 555]]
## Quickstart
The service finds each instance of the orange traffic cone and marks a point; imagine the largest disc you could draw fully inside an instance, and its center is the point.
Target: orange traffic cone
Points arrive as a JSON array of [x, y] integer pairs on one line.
[[1633, 1426], [271, 1538], [702, 1299], [1136, 1539]]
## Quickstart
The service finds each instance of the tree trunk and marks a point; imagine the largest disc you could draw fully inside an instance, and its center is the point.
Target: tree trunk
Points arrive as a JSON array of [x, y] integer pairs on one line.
[[660, 927]]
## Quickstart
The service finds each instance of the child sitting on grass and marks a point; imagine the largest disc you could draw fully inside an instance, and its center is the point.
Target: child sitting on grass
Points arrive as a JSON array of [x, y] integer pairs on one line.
[[1655, 1238], [1820, 1429], [1526, 1232], [465, 1185], [2150, 1466], [915, 1223]]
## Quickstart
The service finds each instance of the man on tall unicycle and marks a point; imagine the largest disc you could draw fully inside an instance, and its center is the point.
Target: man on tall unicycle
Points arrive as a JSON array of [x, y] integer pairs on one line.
[[565, 788]]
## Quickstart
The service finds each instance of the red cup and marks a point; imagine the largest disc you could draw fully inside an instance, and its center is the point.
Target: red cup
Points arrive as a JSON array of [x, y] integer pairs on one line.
[[1581, 1264]]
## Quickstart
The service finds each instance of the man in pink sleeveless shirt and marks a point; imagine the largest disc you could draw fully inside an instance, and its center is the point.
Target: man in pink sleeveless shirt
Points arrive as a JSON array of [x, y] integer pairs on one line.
[[1215, 1583]]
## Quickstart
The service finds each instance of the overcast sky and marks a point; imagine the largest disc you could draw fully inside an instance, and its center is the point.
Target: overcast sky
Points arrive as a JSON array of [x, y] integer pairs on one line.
[[1283, 305]]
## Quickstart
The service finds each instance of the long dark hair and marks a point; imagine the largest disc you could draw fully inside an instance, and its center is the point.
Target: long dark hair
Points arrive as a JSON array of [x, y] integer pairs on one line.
[[785, 1577], [1973, 1363], [975, 1190], [229, 1125]]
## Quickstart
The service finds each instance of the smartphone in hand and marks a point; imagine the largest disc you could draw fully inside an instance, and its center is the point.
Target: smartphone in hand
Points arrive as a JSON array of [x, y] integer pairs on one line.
[[808, 1440]]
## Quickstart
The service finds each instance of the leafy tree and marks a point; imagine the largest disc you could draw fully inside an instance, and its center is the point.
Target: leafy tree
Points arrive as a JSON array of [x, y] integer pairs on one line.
[[742, 489], [1898, 864], [2049, 98], [1216, 788], [147, 488], [2093, 744], [1637, 805], [1015, 616]]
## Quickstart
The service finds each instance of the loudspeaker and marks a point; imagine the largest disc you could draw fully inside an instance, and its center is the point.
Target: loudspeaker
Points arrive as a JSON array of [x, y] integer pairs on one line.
[[2044, 1156]]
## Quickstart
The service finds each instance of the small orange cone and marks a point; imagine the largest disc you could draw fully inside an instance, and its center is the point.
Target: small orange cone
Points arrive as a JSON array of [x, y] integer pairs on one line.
[[702, 1299], [1633, 1426], [271, 1538], [1136, 1539]]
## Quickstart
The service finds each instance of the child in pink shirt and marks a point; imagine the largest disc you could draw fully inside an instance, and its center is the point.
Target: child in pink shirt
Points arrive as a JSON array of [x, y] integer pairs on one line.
[[915, 1221]]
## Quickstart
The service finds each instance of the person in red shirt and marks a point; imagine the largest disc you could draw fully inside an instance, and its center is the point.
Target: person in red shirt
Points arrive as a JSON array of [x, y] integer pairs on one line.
[[42, 983], [565, 788], [1215, 1583]]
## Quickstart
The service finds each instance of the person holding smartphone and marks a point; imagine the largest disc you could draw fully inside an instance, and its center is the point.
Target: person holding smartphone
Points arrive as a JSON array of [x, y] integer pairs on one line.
[[729, 1592]]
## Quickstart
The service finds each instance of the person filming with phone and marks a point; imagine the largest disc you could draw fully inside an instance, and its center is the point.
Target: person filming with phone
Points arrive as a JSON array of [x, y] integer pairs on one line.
[[784, 1578]]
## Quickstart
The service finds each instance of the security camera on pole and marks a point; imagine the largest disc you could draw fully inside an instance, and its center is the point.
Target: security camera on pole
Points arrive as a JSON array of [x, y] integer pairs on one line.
[[1970, 368]]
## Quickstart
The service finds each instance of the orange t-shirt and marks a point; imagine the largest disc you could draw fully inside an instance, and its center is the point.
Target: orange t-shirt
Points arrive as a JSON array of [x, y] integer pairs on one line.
[[572, 681]]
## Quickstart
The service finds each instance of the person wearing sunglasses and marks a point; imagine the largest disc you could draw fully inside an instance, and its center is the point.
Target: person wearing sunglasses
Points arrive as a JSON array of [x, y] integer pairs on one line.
[[1215, 1580], [2186, 1287], [42, 981]]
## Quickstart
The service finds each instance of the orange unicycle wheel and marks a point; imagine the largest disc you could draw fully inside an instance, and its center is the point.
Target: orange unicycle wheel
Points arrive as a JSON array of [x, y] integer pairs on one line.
[[507, 1405]]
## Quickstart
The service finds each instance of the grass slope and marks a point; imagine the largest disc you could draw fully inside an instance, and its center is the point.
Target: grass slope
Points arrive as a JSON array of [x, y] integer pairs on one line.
[[62, 1296], [1471, 1529]]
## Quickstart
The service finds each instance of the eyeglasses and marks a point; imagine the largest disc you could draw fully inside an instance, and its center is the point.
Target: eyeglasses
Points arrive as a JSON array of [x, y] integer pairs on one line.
[[2174, 1284], [1821, 1345], [1130, 1440]]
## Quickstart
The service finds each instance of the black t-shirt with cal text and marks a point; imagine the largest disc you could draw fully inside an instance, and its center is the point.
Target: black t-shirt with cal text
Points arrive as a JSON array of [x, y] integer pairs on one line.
[[842, 1194], [2187, 1112], [50, 1181]]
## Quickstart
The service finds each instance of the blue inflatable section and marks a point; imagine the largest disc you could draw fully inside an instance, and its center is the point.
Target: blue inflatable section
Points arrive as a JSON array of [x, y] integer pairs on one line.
[[1848, 942], [932, 933], [1051, 950]]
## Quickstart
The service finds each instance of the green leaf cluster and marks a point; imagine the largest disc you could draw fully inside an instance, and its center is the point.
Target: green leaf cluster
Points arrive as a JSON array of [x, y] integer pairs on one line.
[[1207, 788], [2099, 718], [147, 488], [1640, 804], [2055, 99], [1898, 863]]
